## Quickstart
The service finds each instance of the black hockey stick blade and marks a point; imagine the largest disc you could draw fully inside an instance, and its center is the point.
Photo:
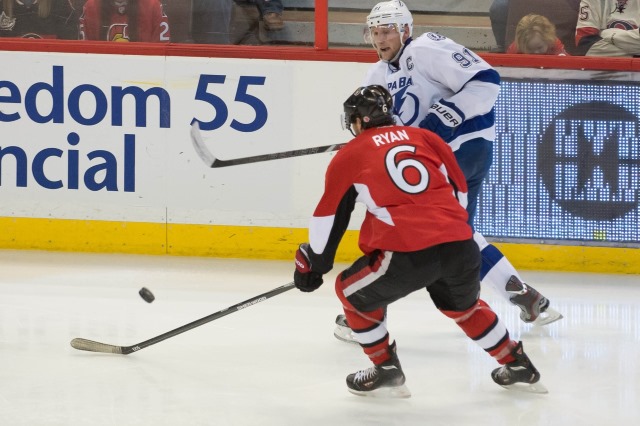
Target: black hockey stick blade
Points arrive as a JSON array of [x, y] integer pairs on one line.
[[211, 161], [92, 346]]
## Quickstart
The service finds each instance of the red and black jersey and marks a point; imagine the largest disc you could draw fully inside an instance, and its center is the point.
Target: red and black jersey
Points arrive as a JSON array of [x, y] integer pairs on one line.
[[57, 20], [411, 185], [151, 25]]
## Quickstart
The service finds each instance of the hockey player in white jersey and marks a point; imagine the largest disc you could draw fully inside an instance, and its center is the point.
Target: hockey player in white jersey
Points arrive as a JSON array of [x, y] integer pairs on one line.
[[609, 28], [440, 85]]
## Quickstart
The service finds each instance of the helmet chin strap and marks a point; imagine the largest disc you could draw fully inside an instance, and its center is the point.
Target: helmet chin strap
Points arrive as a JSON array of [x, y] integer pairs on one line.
[[397, 55]]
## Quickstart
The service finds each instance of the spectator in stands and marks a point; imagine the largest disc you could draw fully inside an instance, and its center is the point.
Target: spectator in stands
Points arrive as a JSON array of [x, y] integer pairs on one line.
[[245, 23], [536, 35], [247, 14], [498, 14], [271, 13], [44, 19], [124, 20], [608, 28], [211, 21], [180, 15]]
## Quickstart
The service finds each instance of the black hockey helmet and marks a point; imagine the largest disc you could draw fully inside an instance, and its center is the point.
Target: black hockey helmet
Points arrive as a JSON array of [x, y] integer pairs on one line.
[[373, 105]]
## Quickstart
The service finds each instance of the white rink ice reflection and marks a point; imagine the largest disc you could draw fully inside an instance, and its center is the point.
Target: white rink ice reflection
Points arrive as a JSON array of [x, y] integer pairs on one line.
[[277, 363]]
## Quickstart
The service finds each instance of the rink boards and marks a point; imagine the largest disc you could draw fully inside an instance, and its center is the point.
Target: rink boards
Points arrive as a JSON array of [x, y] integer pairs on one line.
[[96, 155]]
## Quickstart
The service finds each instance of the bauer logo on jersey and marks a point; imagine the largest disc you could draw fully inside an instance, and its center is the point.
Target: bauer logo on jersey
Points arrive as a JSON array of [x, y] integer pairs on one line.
[[447, 115], [589, 161]]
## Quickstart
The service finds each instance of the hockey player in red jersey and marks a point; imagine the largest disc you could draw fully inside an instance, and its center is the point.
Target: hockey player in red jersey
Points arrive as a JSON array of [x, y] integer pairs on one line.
[[440, 85], [415, 235], [124, 20]]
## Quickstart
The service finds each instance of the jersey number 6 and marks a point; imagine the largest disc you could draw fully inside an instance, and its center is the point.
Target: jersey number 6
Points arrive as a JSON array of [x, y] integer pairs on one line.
[[396, 170]]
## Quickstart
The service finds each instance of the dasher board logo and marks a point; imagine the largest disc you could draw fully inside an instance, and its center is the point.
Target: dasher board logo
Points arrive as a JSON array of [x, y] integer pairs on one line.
[[589, 160]]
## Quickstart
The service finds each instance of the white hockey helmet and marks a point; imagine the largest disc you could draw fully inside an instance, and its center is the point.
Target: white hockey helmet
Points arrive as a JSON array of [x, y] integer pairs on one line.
[[394, 12]]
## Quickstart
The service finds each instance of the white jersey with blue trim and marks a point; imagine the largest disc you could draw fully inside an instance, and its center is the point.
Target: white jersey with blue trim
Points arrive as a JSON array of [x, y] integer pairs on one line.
[[432, 68]]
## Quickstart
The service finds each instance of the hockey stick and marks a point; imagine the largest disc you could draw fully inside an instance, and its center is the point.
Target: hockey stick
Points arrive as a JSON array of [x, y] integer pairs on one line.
[[213, 162], [90, 345]]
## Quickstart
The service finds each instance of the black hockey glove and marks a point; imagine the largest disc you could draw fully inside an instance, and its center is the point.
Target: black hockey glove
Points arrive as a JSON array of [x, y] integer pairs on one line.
[[303, 277], [443, 119]]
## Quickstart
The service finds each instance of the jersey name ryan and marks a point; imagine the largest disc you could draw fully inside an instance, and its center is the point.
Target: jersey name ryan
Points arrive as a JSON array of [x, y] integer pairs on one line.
[[390, 137]]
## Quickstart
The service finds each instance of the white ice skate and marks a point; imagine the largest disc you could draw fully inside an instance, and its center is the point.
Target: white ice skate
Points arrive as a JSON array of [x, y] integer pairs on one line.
[[535, 307], [343, 331]]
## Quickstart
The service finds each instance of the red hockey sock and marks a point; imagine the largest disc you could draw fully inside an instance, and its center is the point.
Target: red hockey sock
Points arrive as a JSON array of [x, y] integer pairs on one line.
[[373, 324], [484, 327], [378, 353]]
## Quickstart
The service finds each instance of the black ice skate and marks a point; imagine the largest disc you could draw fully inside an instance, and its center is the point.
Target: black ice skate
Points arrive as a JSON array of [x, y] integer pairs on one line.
[[383, 381], [535, 307], [343, 331], [520, 374]]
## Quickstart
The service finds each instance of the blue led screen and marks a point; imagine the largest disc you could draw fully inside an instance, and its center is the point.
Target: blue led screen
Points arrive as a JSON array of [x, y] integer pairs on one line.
[[566, 163]]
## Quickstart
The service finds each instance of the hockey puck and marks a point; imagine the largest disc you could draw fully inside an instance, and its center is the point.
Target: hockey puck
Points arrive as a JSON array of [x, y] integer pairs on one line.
[[146, 294]]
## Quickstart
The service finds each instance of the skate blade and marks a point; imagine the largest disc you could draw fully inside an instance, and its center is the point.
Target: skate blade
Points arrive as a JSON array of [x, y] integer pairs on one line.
[[386, 392], [345, 334], [547, 317], [527, 387]]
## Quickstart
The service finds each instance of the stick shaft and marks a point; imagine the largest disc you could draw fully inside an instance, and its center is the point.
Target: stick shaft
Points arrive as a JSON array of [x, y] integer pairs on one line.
[[213, 162], [275, 156], [92, 346]]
